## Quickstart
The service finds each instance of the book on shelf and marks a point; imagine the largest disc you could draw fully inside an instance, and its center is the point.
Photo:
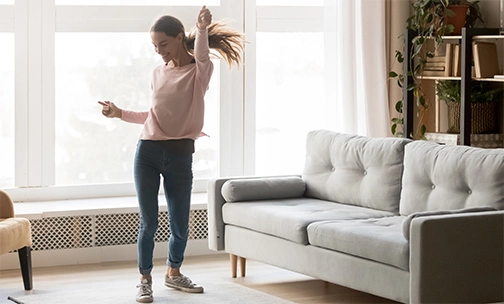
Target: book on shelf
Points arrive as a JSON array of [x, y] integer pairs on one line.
[[448, 59], [494, 140], [436, 59], [433, 68], [433, 73], [434, 63], [456, 61], [486, 61], [499, 76]]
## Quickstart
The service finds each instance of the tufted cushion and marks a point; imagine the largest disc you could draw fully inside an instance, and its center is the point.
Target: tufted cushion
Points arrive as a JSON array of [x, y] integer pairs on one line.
[[236, 190], [288, 218], [377, 239], [15, 233], [354, 170], [438, 177]]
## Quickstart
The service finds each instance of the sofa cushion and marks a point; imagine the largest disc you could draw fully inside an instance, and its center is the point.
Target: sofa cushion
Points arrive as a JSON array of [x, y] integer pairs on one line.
[[377, 239], [263, 188], [354, 170], [407, 220], [442, 177], [288, 218]]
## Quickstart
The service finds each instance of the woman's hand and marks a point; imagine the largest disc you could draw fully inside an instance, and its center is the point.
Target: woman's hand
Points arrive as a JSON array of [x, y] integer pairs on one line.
[[110, 110], [204, 18]]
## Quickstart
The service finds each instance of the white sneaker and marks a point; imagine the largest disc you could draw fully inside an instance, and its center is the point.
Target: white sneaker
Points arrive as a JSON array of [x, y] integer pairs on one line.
[[145, 293], [183, 283]]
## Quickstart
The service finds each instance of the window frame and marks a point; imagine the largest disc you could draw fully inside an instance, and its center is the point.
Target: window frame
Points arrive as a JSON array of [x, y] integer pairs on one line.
[[35, 105]]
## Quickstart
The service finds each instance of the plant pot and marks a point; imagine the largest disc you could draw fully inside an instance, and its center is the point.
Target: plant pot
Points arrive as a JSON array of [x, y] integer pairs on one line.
[[458, 21], [484, 117]]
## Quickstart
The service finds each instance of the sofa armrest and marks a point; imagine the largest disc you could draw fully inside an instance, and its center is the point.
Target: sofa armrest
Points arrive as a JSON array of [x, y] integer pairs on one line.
[[6, 205], [457, 258], [216, 199]]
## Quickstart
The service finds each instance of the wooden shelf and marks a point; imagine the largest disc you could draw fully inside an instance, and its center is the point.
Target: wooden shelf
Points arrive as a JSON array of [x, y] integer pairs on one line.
[[488, 37], [458, 37], [469, 35], [439, 78], [489, 79]]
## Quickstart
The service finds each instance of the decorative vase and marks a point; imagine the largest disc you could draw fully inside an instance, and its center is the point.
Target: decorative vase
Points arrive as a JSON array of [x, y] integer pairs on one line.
[[458, 21]]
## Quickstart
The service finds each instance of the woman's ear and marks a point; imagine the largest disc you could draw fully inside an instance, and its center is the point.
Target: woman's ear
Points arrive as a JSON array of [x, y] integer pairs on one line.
[[180, 36]]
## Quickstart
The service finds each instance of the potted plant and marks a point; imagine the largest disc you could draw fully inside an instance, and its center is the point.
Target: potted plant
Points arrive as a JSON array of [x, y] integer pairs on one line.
[[466, 14], [484, 98], [430, 21]]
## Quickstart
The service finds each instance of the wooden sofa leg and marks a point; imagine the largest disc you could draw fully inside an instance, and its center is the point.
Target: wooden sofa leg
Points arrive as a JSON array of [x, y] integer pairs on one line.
[[26, 266], [243, 262], [234, 261]]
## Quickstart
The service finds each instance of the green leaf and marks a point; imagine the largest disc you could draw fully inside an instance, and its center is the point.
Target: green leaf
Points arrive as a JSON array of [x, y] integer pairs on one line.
[[449, 29], [399, 106], [393, 129], [430, 17], [399, 56], [392, 74], [418, 68], [422, 102], [423, 129], [399, 134], [449, 13]]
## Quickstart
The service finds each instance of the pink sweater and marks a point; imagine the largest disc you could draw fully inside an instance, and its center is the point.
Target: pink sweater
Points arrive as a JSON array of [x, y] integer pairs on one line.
[[178, 106]]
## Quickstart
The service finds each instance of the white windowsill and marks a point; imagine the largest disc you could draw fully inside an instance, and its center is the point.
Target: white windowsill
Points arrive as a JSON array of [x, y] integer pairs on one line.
[[93, 206]]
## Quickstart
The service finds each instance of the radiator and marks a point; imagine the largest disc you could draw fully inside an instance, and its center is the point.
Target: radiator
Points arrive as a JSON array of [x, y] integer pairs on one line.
[[101, 230]]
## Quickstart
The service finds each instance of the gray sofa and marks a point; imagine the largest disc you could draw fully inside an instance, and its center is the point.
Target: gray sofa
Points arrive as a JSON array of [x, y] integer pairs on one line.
[[412, 221]]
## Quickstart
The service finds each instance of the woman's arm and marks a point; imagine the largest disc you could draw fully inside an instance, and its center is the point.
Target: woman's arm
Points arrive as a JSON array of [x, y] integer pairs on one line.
[[201, 47], [134, 117], [110, 110]]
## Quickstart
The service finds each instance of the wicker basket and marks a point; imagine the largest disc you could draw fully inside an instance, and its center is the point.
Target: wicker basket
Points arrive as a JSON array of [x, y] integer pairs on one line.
[[484, 117]]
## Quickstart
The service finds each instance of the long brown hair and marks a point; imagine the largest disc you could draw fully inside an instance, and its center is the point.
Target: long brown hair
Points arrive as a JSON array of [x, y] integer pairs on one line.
[[227, 43]]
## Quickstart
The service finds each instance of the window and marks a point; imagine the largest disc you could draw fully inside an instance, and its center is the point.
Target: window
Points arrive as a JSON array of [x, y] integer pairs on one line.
[[90, 148], [7, 110], [290, 96], [256, 116]]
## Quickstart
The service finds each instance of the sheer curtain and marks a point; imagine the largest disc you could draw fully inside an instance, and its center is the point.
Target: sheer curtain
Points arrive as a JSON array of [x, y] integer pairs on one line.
[[356, 87]]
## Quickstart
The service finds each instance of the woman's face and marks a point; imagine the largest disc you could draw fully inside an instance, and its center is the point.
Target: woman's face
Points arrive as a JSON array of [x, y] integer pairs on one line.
[[166, 46]]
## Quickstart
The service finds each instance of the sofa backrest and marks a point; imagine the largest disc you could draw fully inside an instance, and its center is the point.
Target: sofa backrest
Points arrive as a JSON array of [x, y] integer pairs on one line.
[[443, 177], [354, 170]]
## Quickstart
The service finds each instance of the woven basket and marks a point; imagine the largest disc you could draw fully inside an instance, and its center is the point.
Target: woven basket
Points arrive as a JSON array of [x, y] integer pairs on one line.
[[484, 117]]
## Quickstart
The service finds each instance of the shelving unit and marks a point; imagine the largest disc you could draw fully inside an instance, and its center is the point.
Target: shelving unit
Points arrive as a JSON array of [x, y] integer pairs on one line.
[[465, 40]]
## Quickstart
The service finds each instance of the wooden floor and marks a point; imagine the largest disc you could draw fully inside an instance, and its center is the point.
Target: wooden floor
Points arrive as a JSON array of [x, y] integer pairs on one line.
[[268, 279]]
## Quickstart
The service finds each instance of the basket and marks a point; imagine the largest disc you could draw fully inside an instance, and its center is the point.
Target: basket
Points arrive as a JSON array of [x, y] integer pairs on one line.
[[484, 117]]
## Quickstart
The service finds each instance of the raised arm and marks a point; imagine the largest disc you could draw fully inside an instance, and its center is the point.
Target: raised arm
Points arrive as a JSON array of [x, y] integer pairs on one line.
[[201, 44]]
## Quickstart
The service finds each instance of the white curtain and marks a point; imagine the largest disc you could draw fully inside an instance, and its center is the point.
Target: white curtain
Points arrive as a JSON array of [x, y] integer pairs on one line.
[[356, 75]]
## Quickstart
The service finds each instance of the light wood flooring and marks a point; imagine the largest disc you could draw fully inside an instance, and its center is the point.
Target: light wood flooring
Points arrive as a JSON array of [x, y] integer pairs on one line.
[[268, 279]]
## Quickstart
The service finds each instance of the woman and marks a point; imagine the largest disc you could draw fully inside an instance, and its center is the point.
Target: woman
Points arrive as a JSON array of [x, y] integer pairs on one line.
[[170, 128]]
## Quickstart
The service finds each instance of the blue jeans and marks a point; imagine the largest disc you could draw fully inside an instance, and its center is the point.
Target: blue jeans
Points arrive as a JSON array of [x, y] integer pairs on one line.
[[151, 162]]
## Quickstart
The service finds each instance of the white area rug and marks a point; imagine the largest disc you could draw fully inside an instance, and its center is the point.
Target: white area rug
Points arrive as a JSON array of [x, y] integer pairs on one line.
[[219, 291]]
